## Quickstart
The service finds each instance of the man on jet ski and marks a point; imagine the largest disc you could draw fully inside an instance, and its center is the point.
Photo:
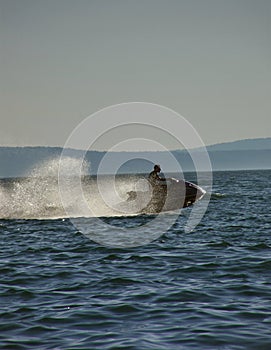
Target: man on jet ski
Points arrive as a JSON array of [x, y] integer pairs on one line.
[[158, 184]]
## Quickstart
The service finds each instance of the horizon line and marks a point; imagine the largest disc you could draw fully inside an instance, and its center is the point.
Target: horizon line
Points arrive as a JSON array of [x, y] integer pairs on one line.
[[137, 151]]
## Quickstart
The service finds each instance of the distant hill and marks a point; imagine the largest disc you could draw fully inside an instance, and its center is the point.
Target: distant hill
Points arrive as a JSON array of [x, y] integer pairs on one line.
[[242, 145], [243, 154]]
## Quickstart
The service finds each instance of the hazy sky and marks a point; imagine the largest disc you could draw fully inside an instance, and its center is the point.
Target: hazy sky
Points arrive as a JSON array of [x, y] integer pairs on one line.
[[62, 60]]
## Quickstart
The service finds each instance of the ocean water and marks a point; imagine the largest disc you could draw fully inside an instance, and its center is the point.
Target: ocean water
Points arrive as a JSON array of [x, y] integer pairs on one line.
[[206, 289]]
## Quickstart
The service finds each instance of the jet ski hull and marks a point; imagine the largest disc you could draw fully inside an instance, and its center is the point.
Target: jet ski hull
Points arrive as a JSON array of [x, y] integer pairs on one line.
[[176, 194]]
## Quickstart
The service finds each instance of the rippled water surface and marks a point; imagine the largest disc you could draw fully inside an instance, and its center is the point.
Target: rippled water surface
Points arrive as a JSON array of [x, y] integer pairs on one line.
[[209, 289]]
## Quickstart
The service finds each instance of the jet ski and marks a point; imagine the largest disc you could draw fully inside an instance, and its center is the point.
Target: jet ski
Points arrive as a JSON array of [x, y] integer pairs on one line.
[[170, 195]]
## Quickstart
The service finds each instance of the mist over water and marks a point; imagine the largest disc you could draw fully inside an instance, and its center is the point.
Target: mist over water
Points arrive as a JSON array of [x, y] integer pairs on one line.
[[37, 196]]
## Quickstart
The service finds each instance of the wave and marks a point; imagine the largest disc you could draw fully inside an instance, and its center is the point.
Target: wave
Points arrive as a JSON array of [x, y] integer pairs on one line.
[[217, 195]]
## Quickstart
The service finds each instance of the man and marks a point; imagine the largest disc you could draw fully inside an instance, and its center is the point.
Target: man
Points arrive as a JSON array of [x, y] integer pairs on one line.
[[154, 178], [159, 190]]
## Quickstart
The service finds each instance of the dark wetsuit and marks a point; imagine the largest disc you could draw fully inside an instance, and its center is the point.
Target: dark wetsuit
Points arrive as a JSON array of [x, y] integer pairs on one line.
[[156, 180]]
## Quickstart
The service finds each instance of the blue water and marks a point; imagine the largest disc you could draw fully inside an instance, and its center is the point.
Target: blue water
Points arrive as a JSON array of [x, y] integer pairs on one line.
[[208, 289]]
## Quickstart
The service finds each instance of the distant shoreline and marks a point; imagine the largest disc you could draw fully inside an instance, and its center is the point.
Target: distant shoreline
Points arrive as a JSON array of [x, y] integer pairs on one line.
[[18, 161]]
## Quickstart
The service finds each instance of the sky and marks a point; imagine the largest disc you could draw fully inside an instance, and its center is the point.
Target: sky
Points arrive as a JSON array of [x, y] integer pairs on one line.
[[62, 60]]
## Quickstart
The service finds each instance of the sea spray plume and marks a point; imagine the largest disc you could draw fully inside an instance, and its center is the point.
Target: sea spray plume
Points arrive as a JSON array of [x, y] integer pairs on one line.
[[30, 198], [70, 165], [71, 173], [36, 196], [47, 173]]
